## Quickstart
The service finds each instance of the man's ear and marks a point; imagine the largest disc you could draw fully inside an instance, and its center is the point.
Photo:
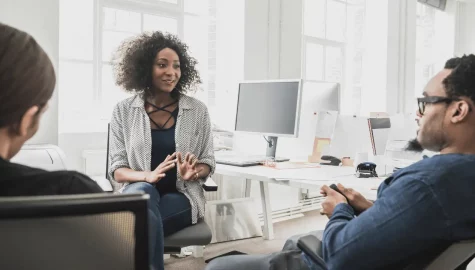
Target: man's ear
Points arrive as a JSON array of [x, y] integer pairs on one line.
[[460, 111], [28, 120]]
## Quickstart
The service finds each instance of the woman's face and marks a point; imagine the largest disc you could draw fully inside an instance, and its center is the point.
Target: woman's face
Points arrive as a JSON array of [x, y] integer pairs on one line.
[[166, 70]]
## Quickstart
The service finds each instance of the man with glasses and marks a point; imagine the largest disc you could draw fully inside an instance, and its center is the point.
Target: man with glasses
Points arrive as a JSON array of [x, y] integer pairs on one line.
[[420, 210]]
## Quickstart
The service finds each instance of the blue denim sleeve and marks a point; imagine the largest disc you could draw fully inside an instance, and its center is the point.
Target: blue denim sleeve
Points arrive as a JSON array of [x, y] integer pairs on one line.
[[404, 221]]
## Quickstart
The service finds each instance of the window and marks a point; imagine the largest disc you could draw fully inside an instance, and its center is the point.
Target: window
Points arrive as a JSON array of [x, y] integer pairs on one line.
[[434, 45], [91, 30], [333, 46], [425, 49]]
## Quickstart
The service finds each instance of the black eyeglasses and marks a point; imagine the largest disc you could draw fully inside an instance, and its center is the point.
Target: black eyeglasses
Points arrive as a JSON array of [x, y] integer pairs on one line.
[[421, 102]]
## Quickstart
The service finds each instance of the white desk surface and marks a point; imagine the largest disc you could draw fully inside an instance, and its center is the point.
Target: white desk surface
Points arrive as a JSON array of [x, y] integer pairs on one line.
[[306, 178]]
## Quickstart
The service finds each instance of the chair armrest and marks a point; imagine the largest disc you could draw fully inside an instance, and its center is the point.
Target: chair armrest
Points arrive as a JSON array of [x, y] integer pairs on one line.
[[210, 185], [312, 247]]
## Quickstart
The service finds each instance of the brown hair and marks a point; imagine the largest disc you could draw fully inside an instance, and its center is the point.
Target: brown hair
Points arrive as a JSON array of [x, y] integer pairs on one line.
[[27, 75]]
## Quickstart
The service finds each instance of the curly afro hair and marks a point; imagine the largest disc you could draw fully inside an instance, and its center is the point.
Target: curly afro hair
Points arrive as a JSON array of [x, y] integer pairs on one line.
[[461, 82], [133, 62]]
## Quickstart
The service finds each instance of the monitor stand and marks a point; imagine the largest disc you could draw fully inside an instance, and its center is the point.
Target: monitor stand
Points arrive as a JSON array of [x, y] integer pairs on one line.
[[271, 146]]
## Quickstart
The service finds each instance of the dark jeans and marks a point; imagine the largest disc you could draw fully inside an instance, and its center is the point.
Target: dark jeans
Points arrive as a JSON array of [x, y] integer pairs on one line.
[[168, 214]]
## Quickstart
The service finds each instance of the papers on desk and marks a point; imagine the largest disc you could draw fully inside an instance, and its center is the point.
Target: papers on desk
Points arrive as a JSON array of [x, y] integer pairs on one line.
[[294, 165]]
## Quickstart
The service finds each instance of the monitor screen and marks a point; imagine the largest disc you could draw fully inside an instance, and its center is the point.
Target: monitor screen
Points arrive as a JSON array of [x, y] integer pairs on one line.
[[269, 107]]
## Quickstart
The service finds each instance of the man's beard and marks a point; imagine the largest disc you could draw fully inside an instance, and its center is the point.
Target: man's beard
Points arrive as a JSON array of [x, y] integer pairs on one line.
[[414, 146]]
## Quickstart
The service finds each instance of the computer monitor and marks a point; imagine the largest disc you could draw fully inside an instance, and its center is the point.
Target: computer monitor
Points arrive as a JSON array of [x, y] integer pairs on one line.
[[325, 96], [270, 108]]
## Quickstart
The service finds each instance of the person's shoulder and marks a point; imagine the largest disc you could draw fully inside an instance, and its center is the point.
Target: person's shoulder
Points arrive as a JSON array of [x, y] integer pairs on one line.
[[440, 167], [64, 175], [75, 181], [13, 168], [123, 108], [127, 103], [418, 171], [445, 162], [453, 163]]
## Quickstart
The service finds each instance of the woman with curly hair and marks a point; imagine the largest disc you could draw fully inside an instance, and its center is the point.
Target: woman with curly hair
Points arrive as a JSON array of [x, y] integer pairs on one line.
[[160, 138]]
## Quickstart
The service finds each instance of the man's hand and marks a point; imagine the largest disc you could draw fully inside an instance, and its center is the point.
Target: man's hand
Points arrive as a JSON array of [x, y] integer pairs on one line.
[[157, 174], [332, 199], [355, 199], [187, 168]]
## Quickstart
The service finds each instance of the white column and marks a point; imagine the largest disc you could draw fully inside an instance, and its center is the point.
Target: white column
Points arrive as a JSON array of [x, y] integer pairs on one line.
[[291, 39], [401, 55], [464, 39], [41, 20]]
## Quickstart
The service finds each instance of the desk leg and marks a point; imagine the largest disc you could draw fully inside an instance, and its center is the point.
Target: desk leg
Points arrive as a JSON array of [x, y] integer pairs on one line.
[[247, 189], [267, 211]]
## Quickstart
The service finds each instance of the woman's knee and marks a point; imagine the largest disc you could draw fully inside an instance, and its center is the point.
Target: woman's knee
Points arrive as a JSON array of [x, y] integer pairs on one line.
[[141, 187], [144, 187]]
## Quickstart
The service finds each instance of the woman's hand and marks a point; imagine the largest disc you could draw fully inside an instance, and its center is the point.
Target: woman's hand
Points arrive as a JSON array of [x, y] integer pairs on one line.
[[157, 174], [187, 168]]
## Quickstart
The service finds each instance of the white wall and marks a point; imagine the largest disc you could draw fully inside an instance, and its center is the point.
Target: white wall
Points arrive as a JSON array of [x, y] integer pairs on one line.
[[291, 29], [465, 39], [263, 59], [373, 92], [256, 43], [401, 64], [73, 145], [229, 66], [401, 54], [41, 20], [446, 25]]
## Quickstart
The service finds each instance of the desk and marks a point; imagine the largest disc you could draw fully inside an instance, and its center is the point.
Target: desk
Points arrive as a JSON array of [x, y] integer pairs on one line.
[[300, 178]]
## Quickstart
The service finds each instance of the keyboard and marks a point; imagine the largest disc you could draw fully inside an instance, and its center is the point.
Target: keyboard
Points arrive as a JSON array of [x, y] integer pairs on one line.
[[243, 160]]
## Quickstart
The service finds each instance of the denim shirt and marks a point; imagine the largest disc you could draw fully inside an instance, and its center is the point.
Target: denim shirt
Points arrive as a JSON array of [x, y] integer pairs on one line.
[[420, 211]]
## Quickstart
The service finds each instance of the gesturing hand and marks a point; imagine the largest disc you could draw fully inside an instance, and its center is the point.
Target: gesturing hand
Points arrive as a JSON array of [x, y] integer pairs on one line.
[[187, 168], [157, 174]]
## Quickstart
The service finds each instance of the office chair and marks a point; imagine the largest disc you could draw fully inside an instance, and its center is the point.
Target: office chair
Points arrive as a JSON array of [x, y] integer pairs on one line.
[[91, 231], [197, 235], [455, 257]]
